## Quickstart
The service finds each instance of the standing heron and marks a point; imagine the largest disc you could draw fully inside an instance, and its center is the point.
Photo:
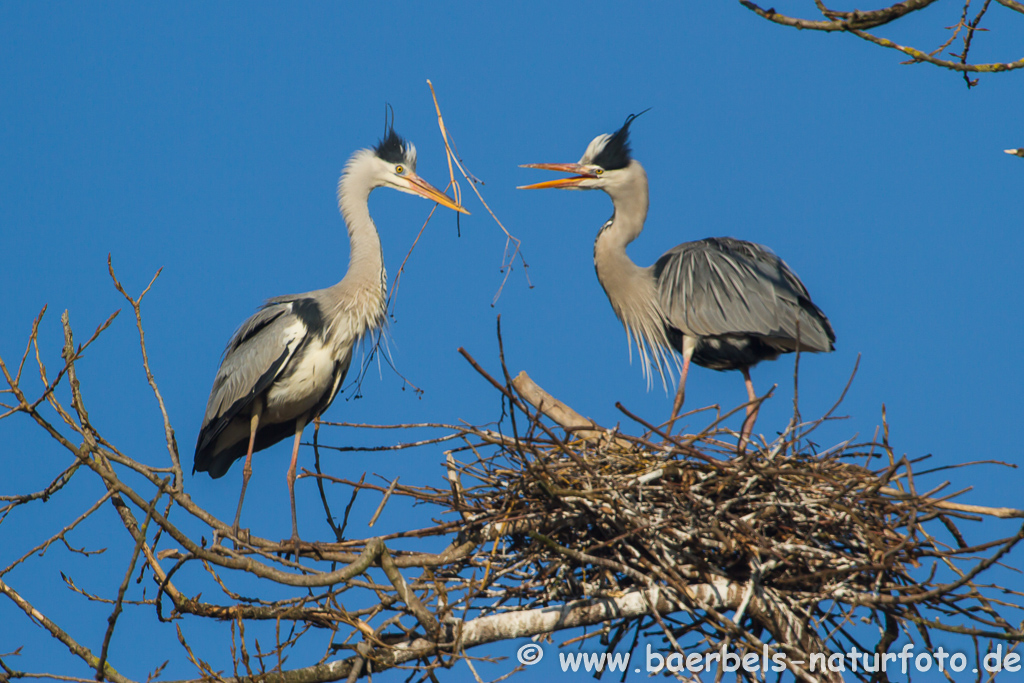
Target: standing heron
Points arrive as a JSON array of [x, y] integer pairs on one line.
[[723, 303], [286, 363]]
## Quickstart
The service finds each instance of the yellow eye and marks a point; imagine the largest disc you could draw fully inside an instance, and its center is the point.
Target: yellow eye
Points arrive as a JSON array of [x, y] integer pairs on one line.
[[399, 169], [599, 171]]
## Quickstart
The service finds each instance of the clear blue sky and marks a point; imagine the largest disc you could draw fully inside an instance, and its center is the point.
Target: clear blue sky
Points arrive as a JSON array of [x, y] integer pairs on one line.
[[207, 139]]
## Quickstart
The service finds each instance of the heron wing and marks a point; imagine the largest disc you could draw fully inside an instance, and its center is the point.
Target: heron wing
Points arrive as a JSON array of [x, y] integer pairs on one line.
[[253, 359], [722, 286]]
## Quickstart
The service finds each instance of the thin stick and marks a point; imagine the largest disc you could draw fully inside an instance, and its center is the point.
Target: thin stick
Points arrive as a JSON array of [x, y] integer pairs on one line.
[[508, 258], [383, 502]]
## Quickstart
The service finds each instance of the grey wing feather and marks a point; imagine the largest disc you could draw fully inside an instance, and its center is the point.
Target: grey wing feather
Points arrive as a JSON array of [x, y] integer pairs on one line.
[[722, 286], [254, 357]]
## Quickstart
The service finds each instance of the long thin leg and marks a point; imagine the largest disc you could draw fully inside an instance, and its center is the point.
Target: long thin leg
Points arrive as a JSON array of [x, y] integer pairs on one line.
[[300, 424], [689, 345], [748, 424], [254, 423]]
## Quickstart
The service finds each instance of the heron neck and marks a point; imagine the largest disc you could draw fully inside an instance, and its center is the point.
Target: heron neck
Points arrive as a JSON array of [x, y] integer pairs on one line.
[[366, 280], [631, 290], [630, 200], [366, 260]]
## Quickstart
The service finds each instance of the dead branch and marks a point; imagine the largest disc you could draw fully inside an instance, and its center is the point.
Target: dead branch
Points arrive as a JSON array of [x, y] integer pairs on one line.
[[862, 23], [683, 543]]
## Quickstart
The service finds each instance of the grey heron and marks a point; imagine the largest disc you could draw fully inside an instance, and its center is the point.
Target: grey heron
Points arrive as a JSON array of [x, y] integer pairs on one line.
[[285, 364], [720, 302]]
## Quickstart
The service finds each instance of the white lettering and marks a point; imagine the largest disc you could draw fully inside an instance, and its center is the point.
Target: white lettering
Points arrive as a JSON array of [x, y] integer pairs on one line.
[[906, 653], [727, 661], [853, 655], [998, 656], [654, 655]]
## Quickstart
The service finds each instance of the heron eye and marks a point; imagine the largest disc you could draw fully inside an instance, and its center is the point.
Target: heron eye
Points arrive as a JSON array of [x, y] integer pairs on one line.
[[399, 169], [599, 171]]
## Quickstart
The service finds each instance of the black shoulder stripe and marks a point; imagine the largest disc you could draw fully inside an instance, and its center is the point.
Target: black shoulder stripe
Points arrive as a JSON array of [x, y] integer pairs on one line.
[[312, 316]]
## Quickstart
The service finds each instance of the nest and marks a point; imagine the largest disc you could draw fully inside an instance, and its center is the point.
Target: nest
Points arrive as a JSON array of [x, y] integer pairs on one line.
[[793, 542], [604, 517]]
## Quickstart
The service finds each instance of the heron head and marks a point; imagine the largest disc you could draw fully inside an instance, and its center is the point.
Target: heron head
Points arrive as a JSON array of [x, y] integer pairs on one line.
[[606, 160], [394, 159]]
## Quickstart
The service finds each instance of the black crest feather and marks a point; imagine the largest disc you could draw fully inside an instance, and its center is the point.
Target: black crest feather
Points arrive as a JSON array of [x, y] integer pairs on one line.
[[616, 152], [391, 148]]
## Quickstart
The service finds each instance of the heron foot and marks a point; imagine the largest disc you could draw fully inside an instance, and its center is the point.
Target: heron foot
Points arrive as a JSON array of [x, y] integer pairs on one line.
[[239, 536], [296, 544]]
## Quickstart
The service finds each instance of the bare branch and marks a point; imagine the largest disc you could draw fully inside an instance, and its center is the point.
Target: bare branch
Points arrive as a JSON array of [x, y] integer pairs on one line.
[[860, 23]]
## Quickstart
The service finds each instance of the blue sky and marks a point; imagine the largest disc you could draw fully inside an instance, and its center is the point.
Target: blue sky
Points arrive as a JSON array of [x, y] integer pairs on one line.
[[207, 139]]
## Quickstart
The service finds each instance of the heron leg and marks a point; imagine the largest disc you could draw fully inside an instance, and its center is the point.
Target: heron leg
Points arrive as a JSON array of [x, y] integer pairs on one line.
[[748, 423], [681, 392], [689, 345], [254, 424], [300, 424]]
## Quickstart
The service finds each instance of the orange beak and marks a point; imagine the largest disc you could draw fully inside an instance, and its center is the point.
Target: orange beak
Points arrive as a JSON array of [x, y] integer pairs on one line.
[[428, 191], [560, 183]]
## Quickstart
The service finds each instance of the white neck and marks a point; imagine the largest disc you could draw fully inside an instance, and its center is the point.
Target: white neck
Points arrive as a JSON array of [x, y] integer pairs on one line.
[[362, 291], [630, 198], [632, 291]]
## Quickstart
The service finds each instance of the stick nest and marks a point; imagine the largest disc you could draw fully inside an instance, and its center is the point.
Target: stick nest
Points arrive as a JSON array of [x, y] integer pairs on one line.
[[602, 517]]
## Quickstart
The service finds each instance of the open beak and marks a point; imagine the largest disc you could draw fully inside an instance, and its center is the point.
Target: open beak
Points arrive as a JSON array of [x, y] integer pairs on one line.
[[563, 183], [424, 189]]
